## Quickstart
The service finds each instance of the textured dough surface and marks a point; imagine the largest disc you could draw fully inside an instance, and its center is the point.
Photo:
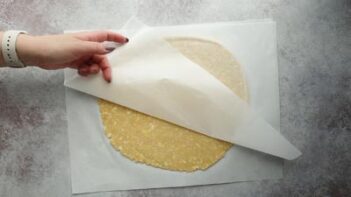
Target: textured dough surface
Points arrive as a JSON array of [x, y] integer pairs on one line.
[[161, 144]]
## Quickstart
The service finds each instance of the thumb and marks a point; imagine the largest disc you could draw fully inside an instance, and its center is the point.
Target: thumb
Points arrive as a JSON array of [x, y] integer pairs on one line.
[[90, 48]]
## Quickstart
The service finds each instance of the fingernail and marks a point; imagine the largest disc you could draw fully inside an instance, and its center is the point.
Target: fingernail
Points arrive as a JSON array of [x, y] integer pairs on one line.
[[127, 40], [109, 80], [110, 49]]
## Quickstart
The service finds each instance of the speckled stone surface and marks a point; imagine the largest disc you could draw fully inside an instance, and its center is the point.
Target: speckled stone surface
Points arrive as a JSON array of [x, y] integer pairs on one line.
[[314, 43]]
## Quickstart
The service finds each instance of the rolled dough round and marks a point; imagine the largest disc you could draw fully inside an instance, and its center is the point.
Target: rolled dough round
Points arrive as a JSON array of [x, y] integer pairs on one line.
[[161, 144]]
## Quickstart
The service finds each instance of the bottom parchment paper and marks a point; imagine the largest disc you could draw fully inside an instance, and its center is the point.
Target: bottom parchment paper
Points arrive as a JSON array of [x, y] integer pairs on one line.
[[96, 166]]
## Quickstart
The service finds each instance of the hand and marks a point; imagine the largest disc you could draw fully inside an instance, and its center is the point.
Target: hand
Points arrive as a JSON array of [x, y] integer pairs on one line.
[[82, 51]]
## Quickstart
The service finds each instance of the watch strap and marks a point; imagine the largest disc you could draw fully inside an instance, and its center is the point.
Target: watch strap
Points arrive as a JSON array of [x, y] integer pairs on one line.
[[9, 52]]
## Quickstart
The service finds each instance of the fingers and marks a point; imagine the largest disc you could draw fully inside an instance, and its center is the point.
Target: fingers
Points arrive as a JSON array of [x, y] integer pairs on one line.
[[101, 36], [104, 65], [91, 48], [83, 71], [91, 43], [86, 70], [91, 52], [94, 69], [94, 65]]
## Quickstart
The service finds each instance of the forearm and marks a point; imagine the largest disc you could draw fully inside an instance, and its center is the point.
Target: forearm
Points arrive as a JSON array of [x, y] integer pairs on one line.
[[83, 51]]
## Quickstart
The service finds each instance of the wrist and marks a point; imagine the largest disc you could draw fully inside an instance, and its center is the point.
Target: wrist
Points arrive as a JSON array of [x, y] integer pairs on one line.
[[26, 47]]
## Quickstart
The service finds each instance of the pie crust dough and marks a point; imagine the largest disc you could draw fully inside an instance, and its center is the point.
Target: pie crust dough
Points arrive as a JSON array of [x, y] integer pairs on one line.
[[161, 144]]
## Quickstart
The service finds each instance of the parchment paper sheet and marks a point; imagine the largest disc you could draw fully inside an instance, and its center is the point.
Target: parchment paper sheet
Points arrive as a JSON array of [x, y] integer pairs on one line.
[[95, 166]]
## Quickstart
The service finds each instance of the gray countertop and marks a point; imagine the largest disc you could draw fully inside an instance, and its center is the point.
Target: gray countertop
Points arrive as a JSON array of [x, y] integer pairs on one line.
[[314, 49]]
